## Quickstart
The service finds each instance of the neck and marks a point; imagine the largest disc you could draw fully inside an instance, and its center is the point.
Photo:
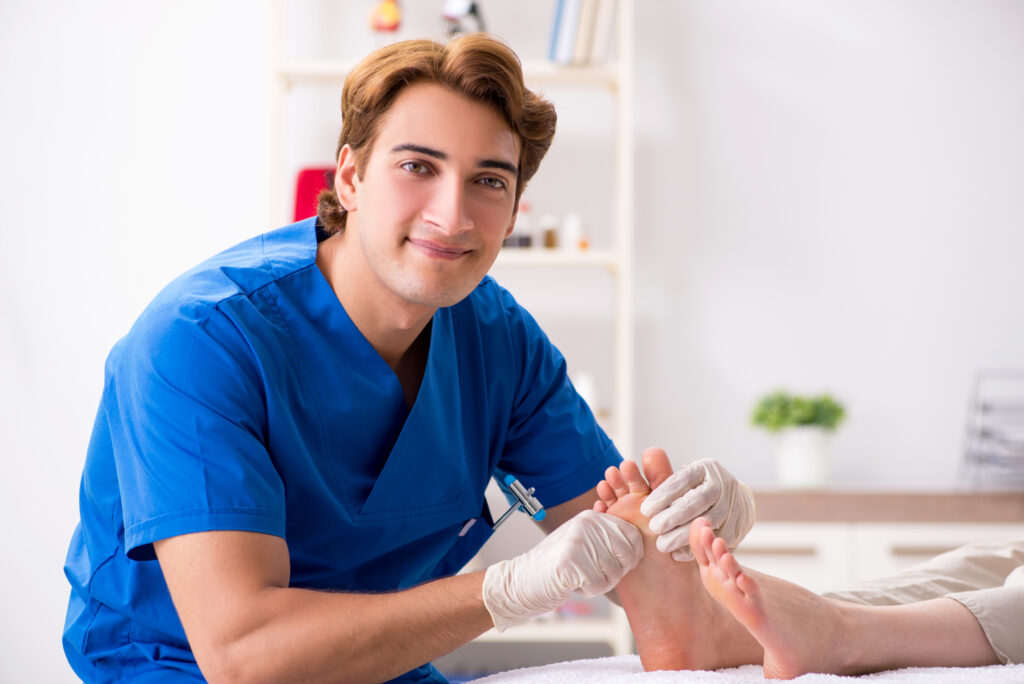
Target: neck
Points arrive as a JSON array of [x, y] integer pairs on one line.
[[390, 324]]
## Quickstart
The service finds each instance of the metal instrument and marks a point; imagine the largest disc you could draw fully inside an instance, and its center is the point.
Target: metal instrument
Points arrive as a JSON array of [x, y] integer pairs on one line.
[[521, 498]]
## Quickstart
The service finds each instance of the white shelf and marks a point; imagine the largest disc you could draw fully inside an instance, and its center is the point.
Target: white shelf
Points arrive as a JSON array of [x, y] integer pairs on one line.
[[536, 73], [527, 256]]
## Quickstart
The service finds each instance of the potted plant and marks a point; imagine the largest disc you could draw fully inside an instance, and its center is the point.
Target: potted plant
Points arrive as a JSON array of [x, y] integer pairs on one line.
[[803, 424]]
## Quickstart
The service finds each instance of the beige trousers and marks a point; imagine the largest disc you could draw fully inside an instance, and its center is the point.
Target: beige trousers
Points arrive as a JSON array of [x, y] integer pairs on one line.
[[987, 578]]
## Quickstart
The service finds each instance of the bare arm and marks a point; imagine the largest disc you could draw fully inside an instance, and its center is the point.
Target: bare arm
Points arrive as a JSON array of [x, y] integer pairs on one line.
[[244, 623], [556, 515]]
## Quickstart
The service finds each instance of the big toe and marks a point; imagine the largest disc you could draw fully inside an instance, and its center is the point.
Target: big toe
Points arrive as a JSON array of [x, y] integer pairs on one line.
[[657, 467]]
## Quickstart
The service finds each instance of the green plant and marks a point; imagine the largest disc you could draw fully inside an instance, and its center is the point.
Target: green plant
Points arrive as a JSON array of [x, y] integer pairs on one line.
[[780, 410]]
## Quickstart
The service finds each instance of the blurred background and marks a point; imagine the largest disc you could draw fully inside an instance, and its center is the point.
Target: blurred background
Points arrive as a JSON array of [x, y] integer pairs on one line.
[[828, 198]]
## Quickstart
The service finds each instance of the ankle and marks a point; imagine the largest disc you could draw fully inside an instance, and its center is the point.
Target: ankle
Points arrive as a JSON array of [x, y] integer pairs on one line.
[[856, 635]]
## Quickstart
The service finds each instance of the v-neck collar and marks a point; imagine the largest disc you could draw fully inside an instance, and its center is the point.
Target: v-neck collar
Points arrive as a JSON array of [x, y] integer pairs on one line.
[[424, 469], [354, 339]]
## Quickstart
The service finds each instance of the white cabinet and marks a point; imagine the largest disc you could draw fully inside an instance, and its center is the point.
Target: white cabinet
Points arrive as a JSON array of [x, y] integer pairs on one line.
[[823, 556], [882, 549], [814, 555]]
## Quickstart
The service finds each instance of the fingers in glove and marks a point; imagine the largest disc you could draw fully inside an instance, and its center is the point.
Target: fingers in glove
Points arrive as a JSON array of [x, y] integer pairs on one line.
[[674, 540], [671, 489], [614, 547], [625, 541], [683, 555], [718, 513], [696, 502]]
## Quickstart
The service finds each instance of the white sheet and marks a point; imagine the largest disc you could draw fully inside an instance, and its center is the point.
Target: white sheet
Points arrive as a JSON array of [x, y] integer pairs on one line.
[[619, 669]]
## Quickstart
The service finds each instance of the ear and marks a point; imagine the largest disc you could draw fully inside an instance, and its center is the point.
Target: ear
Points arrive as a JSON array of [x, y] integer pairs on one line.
[[345, 179], [512, 223]]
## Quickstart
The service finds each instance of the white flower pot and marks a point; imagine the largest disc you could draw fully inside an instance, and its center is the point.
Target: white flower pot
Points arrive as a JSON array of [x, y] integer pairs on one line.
[[802, 457]]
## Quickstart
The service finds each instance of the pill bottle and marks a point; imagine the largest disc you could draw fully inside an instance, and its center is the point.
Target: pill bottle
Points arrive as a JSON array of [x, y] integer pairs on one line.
[[573, 237]]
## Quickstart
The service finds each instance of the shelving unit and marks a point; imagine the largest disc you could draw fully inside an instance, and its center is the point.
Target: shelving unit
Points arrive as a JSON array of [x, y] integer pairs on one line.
[[616, 78], [833, 539]]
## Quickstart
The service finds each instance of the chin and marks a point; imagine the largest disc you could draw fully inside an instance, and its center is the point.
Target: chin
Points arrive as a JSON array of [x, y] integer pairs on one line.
[[438, 295]]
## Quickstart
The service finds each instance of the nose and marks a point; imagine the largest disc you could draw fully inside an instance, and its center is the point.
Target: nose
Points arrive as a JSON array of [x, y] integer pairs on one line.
[[447, 210]]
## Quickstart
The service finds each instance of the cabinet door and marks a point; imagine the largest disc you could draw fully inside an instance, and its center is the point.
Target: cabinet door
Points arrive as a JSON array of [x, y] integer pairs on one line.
[[883, 549], [815, 555]]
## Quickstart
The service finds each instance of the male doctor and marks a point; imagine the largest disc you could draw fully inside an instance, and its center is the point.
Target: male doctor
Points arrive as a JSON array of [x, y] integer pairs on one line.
[[288, 465]]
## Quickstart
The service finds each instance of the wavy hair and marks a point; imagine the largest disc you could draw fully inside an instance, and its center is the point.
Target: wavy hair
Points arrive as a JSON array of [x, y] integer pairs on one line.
[[476, 65]]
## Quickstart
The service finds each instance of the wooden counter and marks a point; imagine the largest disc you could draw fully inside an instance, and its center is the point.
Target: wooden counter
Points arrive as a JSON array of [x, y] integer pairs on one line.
[[896, 507]]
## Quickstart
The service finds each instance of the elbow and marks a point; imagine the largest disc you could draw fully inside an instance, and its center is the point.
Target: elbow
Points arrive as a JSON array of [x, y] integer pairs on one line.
[[218, 669], [234, 664]]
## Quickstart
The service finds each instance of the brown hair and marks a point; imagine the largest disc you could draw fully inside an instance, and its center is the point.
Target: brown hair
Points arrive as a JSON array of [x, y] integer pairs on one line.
[[475, 65]]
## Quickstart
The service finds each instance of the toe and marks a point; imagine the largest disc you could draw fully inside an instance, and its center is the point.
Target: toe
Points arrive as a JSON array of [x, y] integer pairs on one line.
[[706, 539], [657, 467], [730, 565], [615, 480], [700, 554], [746, 584], [719, 548], [606, 494], [697, 528], [634, 480]]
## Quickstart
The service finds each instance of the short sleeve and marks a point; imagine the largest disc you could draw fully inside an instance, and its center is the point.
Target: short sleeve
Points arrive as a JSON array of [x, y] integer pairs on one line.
[[186, 411], [554, 442]]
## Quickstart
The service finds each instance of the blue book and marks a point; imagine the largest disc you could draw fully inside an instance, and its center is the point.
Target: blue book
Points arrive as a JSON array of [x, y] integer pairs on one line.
[[555, 30], [568, 27]]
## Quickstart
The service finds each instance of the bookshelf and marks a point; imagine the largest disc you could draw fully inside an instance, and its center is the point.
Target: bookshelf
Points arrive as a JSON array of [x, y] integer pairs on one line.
[[613, 76]]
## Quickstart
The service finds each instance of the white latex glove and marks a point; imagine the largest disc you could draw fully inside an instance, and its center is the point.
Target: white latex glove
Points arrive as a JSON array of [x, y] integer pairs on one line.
[[589, 553], [703, 488]]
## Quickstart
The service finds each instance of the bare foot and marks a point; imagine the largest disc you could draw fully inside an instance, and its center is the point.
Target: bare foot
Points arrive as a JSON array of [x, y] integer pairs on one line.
[[799, 630], [676, 624]]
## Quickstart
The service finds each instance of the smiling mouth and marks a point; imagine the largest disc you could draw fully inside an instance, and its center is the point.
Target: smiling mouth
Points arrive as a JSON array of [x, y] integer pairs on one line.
[[436, 250]]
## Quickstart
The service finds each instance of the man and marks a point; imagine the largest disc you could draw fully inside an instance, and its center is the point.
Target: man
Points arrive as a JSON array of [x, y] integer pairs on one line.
[[289, 462]]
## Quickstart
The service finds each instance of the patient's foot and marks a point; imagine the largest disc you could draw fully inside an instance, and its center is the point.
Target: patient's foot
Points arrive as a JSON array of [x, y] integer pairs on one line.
[[676, 624], [800, 631]]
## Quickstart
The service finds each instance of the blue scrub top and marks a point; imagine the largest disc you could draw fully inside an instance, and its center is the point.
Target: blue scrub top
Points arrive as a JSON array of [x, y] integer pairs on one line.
[[244, 398]]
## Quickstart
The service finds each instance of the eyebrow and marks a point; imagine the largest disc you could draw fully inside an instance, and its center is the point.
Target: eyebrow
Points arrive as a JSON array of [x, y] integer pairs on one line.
[[438, 154]]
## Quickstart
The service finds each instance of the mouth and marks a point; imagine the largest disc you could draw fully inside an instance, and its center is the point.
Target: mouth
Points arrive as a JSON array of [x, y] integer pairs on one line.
[[437, 250]]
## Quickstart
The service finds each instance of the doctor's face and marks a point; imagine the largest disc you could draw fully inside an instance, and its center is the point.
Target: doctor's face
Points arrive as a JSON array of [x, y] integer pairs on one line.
[[436, 198]]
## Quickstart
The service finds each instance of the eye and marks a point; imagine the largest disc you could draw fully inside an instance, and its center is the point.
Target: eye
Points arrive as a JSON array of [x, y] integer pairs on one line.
[[493, 182], [416, 167]]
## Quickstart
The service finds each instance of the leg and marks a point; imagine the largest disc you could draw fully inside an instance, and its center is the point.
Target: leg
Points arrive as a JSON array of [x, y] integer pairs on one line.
[[675, 622], [802, 632], [973, 575]]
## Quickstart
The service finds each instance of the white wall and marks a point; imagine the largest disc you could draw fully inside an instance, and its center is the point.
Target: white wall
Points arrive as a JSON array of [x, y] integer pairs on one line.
[[133, 144], [829, 197]]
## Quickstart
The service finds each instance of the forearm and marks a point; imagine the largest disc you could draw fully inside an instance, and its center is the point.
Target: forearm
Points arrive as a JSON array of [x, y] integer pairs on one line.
[[302, 635]]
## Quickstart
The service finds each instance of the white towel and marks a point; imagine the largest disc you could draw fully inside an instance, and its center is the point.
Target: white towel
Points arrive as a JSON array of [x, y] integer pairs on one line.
[[619, 669]]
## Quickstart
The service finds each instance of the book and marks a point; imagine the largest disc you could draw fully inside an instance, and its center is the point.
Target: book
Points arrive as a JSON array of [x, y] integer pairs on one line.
[[568, 17], [604, 29], [556, 30], [584, 32]]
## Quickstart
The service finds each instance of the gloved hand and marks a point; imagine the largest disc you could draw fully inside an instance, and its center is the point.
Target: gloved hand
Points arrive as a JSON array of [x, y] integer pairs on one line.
[[589, 553], [703, 488]]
